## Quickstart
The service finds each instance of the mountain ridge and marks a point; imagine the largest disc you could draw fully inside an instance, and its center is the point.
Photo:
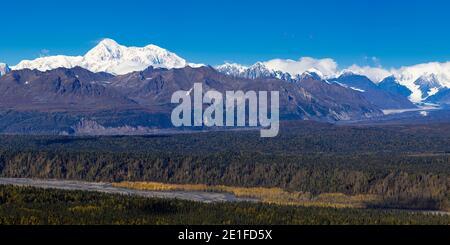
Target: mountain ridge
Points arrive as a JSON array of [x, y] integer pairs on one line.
[[61, 98]]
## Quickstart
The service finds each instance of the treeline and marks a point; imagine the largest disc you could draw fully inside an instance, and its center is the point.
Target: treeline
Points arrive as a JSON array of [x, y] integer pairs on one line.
[[298, 139], [20, 205]]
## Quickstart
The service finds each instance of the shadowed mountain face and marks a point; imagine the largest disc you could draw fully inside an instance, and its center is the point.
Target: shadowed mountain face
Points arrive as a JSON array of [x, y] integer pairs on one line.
[[65, 90], [306, 99], [391, 85], [376, 95], [71, 100], [442, 97], [334, 94]]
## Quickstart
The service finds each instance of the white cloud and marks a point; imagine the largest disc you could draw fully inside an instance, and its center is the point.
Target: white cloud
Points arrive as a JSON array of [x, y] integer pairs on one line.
[[376, 74], [412, 73], [407, 75], [328, 67]]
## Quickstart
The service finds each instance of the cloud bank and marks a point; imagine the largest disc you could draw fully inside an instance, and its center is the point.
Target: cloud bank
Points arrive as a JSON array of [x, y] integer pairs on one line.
[[327, 67], [330, 68]]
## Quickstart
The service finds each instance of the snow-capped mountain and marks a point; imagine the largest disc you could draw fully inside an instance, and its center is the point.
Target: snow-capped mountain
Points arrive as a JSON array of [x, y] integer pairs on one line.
[[4, 68], [261, 70], [50, 63], [109, 56], [232, 69], [428, 85], [309, 75], [417, 82], [258, 70], [423, 80], [422, 85]]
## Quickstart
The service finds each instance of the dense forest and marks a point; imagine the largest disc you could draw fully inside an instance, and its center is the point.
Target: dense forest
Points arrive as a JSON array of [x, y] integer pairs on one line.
[[20, 205], [409, 166]]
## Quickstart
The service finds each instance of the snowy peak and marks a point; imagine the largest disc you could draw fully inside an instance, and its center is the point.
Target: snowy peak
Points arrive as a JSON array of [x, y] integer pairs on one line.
[[108, 43], [348, 73], [50, 63], [106, 50], [261, 70], [109, 56], [258, 70], [4, 68], [430, 80], [428, 85], [312, 75], [232, 69]]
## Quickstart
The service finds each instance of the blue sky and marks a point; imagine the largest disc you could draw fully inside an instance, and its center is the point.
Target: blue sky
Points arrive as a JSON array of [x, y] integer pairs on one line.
[[388, 33]]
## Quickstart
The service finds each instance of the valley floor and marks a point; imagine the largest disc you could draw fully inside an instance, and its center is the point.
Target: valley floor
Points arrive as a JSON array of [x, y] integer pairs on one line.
[[37, 206], [212, 194], [197, 196]]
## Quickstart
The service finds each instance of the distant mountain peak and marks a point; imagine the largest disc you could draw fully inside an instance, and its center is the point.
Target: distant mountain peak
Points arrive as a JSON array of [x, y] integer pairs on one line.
[[106, 49], [4, 69], [261, 70], [429, 85], [393, 86], [255, 71], [109, 56], [313, 71], [348, 73], [429, 78], [108, 42], [310, 75], [259, 64]]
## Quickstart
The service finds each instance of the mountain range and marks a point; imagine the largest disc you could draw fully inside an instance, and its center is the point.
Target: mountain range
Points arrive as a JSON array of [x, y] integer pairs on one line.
[[418, 85], [63, 100], [421, 82], [109, 56], [115, 89]]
